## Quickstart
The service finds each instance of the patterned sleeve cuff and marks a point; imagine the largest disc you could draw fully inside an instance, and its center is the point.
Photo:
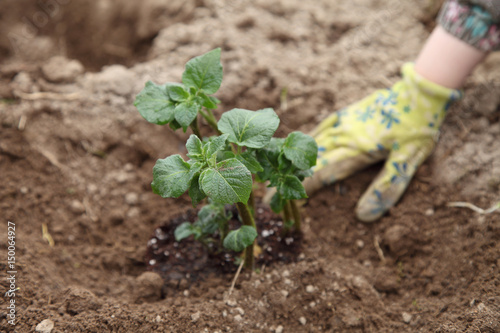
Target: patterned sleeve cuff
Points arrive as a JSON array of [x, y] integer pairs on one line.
[[472, 24]]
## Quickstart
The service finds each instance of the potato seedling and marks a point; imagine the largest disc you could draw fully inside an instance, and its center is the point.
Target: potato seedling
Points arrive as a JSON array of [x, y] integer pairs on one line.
[[223, 167]]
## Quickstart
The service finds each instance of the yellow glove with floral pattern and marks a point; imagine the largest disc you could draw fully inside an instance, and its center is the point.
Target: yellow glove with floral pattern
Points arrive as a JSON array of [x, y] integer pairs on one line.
[[400, 125]]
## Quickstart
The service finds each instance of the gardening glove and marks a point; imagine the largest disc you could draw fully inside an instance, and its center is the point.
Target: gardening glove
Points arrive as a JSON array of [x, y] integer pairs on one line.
[[400, 125]]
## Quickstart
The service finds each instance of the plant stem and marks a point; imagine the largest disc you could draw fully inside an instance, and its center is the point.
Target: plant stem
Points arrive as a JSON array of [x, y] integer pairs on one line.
[[296, 215], [210, 118], [251, 201], [287, 214], [223, 233], [248, 219], [211, 115], [195, 128], [234, 148]]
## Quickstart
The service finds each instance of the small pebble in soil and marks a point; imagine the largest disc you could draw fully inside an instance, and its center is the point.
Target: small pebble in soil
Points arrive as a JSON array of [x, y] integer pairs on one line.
[[429, 212], [224, 313], [302, 320], [159, 234], [24, 190], [231, 302], [312, 304], [240, 310], [481, 307], [406, 317], [238, 318], [284, 293], [360, 244], [45, 326], [158, 319], [286, 273], [186, 293], [77, 207], [310, 289], [287, 281], [195, 316], [133, 212], [279, 329], [267, 233], [131, 198]]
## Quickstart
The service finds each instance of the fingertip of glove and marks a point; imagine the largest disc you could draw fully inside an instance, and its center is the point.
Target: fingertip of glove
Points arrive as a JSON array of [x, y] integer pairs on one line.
[[367, 215], [371, 207]]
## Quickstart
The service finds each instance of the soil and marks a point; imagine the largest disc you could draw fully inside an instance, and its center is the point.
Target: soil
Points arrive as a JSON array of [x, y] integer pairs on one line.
[[76, 161]]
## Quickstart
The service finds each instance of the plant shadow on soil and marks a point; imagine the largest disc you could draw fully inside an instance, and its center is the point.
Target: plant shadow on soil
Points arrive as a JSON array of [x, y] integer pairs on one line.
[[186, 262]]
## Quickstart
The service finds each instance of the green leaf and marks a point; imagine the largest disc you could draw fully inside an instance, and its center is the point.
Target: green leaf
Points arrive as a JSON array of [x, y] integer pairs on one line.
[[171, 177], [301, 149], [194, 147], [174, 125], [177, 93], [291, 188], [185, 113], [154, 104], [229, 182], [214, 99], [268, 158], [275, 179], [195, 192], [215, 145], [184, 230], [252, 129], [206, 101], [238, 240], [302, 174], [284, 164], [210, 217], [277, 203], [249, 160], [195, 168], [204, 72]]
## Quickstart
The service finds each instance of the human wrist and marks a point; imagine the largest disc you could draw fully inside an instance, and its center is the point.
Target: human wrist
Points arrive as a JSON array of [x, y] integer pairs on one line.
[[446, 60]]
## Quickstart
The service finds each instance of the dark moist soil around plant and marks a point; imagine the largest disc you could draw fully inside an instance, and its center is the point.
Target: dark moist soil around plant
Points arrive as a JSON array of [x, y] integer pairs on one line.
[[191, 261]]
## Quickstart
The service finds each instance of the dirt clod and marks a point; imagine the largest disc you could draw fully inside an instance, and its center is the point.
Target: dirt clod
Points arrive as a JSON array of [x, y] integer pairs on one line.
[[79, 300], [61, 69], [147, 287]]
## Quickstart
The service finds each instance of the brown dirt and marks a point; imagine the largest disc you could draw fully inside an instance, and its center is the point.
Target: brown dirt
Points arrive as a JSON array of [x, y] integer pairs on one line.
[[81, 165]]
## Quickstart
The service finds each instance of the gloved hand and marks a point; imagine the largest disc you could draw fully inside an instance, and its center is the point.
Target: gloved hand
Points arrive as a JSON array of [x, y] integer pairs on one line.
[[400, 125]]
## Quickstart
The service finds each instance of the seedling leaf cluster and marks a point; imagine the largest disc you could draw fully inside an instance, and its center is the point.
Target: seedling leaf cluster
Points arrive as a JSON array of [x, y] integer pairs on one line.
[[223, 167]]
